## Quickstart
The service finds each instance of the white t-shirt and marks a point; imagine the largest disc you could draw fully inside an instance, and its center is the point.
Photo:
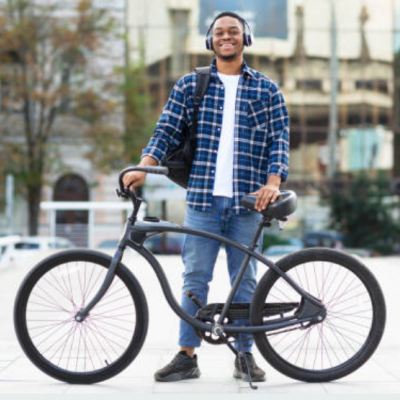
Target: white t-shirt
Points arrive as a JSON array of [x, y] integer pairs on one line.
[[223, 184]]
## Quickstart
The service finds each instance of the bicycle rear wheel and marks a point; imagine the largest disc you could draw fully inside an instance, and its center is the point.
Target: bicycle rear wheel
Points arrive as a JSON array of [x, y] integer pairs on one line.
[[99, 347], [350, 333]]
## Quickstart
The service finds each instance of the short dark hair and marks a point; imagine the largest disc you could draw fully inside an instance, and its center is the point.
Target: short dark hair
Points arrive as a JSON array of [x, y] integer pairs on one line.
[[229, 14]]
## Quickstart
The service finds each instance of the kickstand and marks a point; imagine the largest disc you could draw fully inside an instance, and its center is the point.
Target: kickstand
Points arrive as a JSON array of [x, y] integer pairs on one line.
[[243, 353], [238, 354]]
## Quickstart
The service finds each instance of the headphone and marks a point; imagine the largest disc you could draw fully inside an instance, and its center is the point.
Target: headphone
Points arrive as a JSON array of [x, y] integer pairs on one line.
[[247, 36]]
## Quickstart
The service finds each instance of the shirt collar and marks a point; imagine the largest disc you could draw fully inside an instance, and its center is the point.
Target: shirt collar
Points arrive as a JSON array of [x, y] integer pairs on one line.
[[245, 69]]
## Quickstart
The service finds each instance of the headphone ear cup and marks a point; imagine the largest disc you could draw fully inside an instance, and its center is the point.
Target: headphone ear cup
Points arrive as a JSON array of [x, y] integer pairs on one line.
[[209, 44], [247, 40]]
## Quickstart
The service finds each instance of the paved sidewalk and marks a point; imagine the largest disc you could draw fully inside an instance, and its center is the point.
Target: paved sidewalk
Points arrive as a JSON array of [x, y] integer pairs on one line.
[[381, 374]]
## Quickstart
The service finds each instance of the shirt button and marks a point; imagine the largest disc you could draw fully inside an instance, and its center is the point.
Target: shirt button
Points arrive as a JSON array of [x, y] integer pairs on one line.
[[222, 88], [221, 108]]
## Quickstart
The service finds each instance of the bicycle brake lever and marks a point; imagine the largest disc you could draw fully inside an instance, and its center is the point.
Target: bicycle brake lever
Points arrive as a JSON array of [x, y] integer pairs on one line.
[[121, 194]]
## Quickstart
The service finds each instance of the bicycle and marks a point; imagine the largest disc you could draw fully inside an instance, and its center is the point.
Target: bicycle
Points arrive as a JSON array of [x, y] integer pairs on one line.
[[316, 315]]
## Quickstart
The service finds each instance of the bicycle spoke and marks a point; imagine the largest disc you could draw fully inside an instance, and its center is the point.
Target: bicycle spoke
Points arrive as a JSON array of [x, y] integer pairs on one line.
[[96, 342], [349, 316], [339, 312], [306, 340], [113, 325], [351, 322], [102, 304], [51, 327], [95, 334], [63, 345], [113, 317], [53, 302]]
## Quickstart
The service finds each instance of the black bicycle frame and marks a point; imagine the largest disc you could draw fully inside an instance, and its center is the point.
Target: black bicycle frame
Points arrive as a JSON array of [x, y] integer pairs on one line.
[[136, 233]]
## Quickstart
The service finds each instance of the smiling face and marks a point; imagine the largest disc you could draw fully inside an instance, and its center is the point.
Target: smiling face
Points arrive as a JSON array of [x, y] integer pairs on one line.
[[228, 38]]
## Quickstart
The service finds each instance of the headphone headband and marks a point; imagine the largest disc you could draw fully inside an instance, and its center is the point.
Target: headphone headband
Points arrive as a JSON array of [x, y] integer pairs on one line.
[[247, 36]]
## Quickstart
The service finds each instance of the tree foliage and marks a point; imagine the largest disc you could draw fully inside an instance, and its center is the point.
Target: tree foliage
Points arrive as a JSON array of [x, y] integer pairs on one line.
[[139, 118], [363, 212], [46, 72]]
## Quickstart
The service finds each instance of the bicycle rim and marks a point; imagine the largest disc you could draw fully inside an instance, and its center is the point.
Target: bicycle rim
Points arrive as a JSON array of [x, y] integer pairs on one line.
[[94, 349], [351, 330]]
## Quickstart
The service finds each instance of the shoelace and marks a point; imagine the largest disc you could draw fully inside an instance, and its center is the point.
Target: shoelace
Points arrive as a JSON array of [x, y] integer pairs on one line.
[[177, 358]]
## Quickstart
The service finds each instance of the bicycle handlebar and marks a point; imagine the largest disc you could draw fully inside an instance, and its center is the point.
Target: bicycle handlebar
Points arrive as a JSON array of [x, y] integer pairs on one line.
[[150, 170]]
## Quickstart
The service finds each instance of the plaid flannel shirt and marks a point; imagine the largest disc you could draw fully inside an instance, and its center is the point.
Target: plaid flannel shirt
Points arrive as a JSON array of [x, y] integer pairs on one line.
[[261, 134]]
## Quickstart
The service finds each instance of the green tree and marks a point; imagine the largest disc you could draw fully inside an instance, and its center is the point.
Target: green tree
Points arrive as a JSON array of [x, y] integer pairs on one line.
[[45, 73], [362, 211], [139, 117]]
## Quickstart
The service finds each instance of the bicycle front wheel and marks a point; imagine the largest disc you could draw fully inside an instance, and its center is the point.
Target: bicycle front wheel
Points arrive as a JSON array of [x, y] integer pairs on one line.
[[99, 347], [353, 326]]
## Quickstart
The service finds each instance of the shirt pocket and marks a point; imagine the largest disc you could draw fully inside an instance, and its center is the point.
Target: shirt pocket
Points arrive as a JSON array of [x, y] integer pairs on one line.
[[257, 114]]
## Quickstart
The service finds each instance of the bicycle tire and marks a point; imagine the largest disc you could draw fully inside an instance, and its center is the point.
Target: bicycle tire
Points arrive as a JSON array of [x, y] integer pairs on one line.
[[355, 308], [106, 342]]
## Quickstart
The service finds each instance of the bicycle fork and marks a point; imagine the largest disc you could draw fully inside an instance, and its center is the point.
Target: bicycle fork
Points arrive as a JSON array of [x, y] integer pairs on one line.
[[82, 314]]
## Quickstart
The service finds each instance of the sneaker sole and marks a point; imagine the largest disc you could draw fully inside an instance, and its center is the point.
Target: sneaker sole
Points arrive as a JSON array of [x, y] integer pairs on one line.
[[179, 376], [241, 375]]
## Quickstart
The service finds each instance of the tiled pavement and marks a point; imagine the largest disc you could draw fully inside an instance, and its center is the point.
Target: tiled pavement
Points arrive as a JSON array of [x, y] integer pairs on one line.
[[381, 374]]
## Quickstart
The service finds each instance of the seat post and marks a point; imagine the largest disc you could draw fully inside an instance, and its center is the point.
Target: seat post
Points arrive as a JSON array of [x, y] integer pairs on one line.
[[264, 222]]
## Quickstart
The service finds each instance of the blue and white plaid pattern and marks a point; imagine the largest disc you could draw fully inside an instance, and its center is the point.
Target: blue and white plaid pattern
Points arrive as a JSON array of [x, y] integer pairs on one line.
[[261, 134]]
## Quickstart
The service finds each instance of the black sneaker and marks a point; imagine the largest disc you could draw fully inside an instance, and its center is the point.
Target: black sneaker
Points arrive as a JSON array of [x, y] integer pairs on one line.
[[181, 367], [256, 373]]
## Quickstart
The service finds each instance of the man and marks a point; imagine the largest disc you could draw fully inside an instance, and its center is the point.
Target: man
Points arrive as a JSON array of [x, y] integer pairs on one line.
[[242, 146]]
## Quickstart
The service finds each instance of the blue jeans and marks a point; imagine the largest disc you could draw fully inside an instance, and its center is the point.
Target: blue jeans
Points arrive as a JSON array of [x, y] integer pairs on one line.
[[199, 256]]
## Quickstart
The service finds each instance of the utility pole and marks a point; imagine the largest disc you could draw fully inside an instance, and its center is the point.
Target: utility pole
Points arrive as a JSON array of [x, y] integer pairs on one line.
[[333, 119]]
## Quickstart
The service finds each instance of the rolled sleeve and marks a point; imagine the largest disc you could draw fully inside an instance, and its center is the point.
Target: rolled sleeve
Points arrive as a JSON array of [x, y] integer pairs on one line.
[[168, 132], [278, 154]]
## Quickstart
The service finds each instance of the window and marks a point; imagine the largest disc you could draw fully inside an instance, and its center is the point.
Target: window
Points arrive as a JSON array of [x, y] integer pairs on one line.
[[376, 85], [26, 246], [309, 85]]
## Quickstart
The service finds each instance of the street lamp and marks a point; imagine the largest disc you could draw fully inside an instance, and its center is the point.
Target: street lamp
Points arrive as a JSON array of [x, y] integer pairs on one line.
[[333, 118]]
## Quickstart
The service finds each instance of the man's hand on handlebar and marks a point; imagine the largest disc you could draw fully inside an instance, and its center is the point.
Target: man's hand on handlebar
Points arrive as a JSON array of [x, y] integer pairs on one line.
[[136, 178]]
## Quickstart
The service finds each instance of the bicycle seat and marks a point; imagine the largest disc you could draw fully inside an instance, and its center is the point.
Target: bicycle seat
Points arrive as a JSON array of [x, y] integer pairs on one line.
[[284, 205]]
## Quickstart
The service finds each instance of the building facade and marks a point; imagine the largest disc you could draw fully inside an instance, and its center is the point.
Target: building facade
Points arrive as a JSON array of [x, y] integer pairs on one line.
[[295, 45]]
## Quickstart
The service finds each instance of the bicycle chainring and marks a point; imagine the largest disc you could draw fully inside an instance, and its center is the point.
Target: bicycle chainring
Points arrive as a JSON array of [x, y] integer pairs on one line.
[[209, 315]]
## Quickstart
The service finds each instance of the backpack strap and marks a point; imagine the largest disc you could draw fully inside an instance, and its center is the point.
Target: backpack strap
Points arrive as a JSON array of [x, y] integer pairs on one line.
[[203, 80]]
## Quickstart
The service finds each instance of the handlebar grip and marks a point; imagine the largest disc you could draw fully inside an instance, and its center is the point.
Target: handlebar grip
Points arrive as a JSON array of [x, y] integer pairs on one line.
[[150, 170]]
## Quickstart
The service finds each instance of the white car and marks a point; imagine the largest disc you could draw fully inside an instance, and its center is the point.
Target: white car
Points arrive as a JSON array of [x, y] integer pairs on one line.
[[14, 248]]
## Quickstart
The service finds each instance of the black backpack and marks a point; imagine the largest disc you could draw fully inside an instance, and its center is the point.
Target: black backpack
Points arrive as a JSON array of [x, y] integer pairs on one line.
[[179, 162]]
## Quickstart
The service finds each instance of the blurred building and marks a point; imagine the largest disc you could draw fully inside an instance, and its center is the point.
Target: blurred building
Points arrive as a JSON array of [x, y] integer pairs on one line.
[[293, 46]]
